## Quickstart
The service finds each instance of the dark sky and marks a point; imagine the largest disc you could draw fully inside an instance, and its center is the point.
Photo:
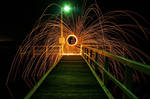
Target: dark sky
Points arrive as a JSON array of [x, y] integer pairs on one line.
[[17, 17]]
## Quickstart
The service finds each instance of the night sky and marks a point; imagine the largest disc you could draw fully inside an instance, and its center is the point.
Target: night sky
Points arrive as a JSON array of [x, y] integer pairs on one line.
[[17, 18]]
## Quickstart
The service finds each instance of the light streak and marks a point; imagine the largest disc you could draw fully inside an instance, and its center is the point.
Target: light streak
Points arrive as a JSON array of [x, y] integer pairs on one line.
[[91, 28]]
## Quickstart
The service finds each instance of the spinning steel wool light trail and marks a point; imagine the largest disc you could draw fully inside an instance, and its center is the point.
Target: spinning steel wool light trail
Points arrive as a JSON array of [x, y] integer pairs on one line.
[[41, 48]]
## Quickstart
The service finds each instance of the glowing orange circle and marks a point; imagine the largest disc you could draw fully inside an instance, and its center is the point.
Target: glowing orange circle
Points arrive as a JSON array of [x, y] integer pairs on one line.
[[72, 38]]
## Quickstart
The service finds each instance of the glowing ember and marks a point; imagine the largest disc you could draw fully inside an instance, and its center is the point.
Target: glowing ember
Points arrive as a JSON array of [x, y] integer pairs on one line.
[[72, 40]]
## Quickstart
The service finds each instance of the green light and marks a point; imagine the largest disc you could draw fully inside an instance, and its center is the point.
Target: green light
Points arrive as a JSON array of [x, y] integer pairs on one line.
[[67, 8]]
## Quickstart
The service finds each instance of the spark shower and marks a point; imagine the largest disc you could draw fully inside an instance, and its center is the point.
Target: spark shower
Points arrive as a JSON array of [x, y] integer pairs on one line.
[[106, 31]]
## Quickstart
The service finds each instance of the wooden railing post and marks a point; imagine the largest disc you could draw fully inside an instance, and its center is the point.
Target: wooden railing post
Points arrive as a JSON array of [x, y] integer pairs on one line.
[[91, 57], [105, 67], [59, 50], [96, 56], [87, 52], [84, 51], [95, 65]]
